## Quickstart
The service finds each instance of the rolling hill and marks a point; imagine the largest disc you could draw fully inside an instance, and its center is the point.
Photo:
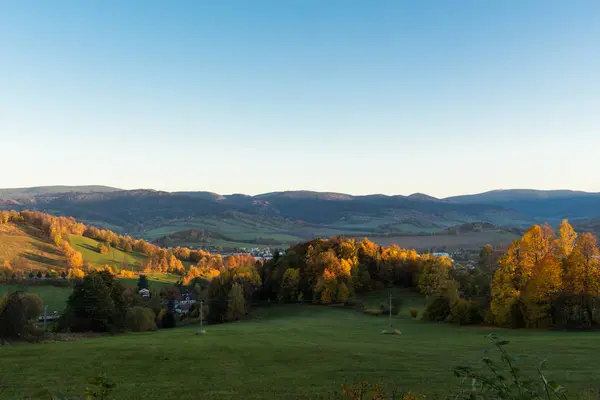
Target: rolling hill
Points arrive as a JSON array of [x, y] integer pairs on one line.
[[24, 245], [234, 220], [291, 216]]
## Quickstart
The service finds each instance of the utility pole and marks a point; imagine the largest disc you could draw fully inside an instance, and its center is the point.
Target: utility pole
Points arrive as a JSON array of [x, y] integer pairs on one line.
[[45, 317], [201, 313], [390, 311]]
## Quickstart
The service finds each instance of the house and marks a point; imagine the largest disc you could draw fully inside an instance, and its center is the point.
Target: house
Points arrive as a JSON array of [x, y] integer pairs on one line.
[[183, 306], [145, 293]]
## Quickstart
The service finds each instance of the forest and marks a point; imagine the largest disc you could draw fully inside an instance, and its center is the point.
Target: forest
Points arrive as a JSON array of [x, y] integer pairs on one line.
[[543, 280]]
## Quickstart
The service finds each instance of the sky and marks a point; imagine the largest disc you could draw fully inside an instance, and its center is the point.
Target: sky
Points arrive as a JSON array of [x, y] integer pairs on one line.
[[439, 97]]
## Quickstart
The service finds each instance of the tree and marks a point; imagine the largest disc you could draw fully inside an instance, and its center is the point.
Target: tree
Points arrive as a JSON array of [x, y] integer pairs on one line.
[[236, 307], [103, 248], [289, 285], [506, 289], [74, 260], [566, 238], [435, 275], [18, 311], [127, 248], [142, 282], [582, 278], [97, 304], [140, 319], [541, 291]]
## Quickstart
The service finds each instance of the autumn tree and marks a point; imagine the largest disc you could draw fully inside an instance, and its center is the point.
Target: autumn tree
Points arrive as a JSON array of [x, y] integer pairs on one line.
[[566, 239], [582, 279], [541, 291]]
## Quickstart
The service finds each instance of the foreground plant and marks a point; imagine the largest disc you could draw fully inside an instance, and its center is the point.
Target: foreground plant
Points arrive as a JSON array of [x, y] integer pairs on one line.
[[503, 380]]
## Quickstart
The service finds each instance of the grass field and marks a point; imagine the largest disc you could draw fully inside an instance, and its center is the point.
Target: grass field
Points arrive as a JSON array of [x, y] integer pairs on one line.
[[288, 352], [471, 240], [54, 297], [116, 257], [18, 243]]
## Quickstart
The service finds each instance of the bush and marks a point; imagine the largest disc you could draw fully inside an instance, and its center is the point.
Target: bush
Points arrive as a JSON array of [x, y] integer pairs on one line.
[[167, 319], [466, 312], [373, 311], [414, 313], [18, 311], [140, 319], [396, 305], [438, 309]]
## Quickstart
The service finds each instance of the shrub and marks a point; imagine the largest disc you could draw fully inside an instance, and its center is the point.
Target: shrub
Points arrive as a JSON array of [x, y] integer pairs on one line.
[[34, 306], [140, 319], [17, 314], [438, 309], [373, 311], [414, 313], [168, 320], [503, 380], [396, 305]]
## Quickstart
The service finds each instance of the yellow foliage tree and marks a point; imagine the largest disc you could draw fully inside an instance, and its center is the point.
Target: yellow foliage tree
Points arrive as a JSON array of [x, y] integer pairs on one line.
[[541, 290], [566, 238]]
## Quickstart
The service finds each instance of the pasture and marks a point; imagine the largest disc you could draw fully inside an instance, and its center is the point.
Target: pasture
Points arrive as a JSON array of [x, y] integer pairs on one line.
[[470, 240], [55, 297], [115, 258], [289, 352]]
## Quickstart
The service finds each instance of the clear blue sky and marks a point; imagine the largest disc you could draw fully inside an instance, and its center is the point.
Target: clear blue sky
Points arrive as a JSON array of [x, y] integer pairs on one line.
[[442, 97]]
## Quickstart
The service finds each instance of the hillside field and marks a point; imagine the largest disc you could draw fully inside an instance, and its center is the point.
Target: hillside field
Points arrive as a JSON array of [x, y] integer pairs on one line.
[[115, 258], [22, 244], [290, 352], [52, 296], [471, 240]]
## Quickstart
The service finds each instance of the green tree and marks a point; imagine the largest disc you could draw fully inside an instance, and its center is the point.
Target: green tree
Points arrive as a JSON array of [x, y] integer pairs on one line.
[[434, 276], [142, 282], [97, 304], [289, 285], [236, 306]]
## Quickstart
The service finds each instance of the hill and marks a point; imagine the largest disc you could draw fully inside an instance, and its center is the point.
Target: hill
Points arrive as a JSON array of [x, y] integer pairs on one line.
[[282, 218], [31, 192], [22, 244], [274, 218]]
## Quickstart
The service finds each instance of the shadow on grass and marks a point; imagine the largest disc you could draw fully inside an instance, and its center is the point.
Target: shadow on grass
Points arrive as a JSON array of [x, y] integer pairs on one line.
[[89, 247], [47, 248], [42, 259]]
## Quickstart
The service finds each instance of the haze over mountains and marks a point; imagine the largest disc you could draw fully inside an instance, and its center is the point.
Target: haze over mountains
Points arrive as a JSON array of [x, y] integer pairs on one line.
[[295, 215]]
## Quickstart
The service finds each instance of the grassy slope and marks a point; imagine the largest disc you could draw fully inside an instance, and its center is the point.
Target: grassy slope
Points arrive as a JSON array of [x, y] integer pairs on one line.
[[291, 352], [88, 249], [54, 297], [20, 242]]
